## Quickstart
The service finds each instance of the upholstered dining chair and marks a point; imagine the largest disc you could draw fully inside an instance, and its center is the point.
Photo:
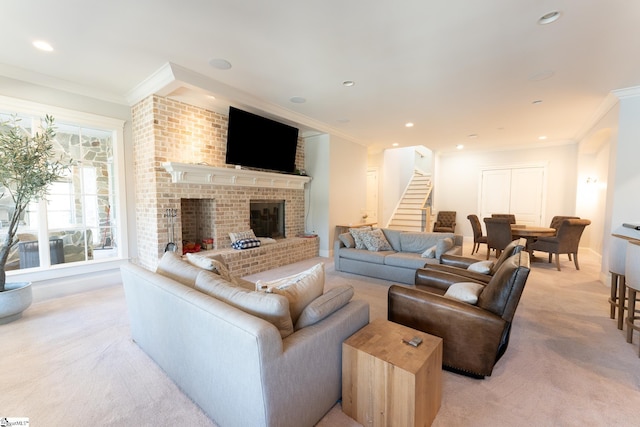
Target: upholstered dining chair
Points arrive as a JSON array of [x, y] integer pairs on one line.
[[445, 222], [566, 240], [498, 234], [510, 217], [478, 237], [557, 220]]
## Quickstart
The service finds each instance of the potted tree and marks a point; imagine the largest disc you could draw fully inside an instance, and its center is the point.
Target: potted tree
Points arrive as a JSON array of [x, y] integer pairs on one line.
[[27, 167]]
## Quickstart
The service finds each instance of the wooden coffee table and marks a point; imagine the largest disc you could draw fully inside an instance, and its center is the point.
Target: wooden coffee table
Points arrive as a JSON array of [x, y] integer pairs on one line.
[[386, 382]]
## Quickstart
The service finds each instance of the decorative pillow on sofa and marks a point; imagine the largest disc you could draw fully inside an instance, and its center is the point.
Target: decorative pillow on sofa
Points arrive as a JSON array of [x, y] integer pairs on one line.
[[171, 265], [375, 241], [325, 305], [211, 264], [249, 234], [357, 235], [482, 267], [430, 252], [245, 244], [300, 289], [270, 307], [347, 240], [465, 291], [443, 246]]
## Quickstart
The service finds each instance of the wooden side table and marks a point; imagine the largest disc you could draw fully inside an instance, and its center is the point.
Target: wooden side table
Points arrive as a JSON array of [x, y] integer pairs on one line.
[[386, 382]]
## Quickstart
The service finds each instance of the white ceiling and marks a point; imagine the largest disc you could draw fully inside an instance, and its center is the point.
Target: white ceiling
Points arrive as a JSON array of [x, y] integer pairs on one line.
[[452, 67]]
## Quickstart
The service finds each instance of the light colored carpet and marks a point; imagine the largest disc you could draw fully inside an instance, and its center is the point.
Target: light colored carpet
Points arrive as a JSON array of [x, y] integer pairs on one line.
[[70, 361]]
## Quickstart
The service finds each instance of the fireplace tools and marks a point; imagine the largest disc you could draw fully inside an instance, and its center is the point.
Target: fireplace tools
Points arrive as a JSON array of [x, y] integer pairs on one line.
[[171, 214]]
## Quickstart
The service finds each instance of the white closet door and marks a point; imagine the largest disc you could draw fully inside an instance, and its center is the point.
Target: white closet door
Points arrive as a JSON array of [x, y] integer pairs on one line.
[[527, 186], [495, 192], [519, 191]]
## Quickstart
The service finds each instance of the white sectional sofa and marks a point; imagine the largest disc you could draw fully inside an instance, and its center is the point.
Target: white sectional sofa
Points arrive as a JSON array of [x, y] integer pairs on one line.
[[235, 365], [401, 261]]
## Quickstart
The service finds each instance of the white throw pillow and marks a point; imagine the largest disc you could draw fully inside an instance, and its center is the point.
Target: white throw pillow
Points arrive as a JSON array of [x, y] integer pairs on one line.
[[465, 291], [300, 289], [482, 267], [430, 252]]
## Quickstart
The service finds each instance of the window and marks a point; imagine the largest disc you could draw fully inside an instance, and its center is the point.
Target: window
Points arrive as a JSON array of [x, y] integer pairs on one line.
[[78, 221]]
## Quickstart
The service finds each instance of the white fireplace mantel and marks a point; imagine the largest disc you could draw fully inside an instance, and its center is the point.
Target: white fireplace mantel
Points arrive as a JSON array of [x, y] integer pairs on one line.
[[187, 173]]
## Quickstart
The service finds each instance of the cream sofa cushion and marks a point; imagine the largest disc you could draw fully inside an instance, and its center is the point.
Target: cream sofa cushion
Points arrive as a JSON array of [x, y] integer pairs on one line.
[[171, 265], [323, 306], [300, 289], [271, 307]]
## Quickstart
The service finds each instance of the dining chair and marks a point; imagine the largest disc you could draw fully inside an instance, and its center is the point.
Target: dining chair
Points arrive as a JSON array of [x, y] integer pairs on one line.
[[498, 234], [566, 240], [478, 238], [510, 217]]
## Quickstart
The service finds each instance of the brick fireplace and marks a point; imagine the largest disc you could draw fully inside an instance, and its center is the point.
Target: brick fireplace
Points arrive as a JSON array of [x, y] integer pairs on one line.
[[170, 132]]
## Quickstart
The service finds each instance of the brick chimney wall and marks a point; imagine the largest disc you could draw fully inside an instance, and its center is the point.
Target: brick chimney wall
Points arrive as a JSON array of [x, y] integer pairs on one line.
[[165, 130]]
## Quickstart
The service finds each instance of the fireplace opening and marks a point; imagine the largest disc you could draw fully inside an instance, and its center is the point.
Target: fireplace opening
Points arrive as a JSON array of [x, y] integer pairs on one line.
[[267, 218], [197, 224]]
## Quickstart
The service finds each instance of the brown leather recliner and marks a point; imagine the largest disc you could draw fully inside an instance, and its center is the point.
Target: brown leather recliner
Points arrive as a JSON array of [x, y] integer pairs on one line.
[[459, 265], [474, 336]]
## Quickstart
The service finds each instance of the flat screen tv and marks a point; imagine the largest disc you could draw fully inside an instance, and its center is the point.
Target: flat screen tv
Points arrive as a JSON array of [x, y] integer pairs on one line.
[[259, 142]]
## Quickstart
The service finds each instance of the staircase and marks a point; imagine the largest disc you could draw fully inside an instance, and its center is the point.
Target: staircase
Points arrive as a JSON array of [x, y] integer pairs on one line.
[[413, 212]]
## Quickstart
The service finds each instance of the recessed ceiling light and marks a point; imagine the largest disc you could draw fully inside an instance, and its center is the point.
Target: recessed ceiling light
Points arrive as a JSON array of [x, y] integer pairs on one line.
[[297, 100], [537, 101], [542, 138], [548, 18], [409, 125], [348, 83], [395, 144], [211, 97], [541, 75], [459, 147], [43, 45], [220, 64]]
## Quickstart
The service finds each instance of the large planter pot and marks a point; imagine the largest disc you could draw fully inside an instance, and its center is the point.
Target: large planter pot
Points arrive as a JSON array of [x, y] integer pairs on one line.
[[16, 298]]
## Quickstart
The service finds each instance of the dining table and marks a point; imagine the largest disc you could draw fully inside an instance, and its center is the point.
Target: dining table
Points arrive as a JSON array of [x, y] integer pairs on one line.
[[531, 233]]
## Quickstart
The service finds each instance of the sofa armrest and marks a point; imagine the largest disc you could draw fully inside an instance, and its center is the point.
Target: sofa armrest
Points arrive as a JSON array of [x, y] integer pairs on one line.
[[471, 336], [463, 272], [306, 380], [438, 281], [457, 261]]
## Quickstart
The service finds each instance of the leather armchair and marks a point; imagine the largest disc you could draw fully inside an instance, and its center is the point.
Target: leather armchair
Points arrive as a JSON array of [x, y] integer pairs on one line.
[[459, 265], [445, 222], [474, 336], [566, 241]]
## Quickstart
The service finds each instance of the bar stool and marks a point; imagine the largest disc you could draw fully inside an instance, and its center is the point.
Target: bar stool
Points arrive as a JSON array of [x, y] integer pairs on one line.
[[617, 260], [632, 273]]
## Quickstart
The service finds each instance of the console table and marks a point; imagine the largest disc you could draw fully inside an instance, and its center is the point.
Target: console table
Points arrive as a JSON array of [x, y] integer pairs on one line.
[[386, 382]]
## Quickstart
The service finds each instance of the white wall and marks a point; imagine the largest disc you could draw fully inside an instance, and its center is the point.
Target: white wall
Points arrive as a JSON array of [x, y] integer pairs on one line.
[[338, 189], [457, 179]]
